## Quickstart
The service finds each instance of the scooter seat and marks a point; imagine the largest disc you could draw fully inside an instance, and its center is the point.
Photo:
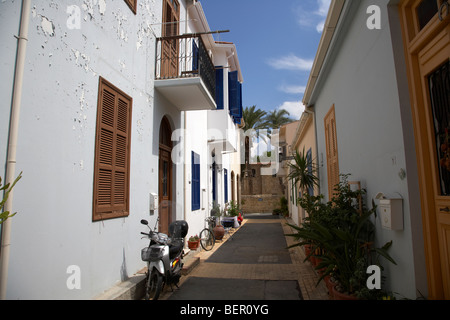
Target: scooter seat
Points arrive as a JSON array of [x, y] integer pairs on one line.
[[175, 248]]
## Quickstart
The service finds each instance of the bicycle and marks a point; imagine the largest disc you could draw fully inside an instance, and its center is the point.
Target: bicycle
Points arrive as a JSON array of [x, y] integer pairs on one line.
[[207, 239]]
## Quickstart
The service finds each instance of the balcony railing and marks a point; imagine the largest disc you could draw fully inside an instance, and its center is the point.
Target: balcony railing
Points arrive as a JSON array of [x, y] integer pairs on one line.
[[185, 56]]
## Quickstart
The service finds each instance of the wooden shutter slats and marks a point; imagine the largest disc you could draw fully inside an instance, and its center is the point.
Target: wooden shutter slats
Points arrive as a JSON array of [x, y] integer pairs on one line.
[[108, 103], [121, 152], [104, 187], [106, 143], [122, 119], [111, 181]]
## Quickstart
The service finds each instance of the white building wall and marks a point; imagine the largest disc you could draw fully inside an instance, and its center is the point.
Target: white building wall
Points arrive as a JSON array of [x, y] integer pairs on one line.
[[53, 228], [362, 85], [196, 141]]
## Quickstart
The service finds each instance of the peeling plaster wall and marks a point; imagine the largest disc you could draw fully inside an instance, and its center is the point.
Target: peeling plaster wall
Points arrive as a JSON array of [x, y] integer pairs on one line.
[[71, 44]]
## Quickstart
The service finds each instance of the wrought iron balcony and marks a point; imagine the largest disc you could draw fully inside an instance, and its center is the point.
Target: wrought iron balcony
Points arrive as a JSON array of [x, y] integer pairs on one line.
[[185, 73]]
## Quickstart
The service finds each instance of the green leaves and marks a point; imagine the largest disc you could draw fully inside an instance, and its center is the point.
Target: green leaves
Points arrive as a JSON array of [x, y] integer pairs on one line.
[[303, 171], [7, 189], [342, 235]]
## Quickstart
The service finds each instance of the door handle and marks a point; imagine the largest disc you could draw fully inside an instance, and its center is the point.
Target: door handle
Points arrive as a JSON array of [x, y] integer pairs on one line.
[[445, 209], [441, 10]]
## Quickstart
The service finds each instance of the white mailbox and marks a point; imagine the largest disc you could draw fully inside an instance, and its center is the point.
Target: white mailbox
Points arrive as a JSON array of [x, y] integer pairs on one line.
[[391, 211], [153, 201]]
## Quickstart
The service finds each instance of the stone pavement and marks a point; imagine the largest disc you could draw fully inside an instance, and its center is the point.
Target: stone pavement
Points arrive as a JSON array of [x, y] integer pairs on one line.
[[266, 269]]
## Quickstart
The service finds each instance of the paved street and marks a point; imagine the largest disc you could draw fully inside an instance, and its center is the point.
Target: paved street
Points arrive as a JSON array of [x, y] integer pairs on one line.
[[253, 264]]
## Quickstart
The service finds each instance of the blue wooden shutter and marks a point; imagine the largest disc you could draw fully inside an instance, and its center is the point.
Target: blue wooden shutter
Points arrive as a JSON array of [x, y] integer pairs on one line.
[[219, 88], [225, 178], [233, 93], [195, 185], [194, 56], [238, 117]]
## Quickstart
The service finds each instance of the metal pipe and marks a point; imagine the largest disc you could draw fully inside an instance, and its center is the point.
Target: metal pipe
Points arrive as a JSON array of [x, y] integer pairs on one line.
[[12, 144]]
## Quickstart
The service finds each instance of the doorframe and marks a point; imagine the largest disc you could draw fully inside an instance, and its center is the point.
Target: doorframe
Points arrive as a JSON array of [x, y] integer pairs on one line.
[[167, 148], [414, 41]]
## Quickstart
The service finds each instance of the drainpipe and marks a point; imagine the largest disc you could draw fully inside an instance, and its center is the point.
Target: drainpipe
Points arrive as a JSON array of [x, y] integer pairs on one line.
[[12, 144]]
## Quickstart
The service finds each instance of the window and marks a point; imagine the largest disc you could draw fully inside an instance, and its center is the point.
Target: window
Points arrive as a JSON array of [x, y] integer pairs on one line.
[[225, 179], [219, 88], [426, 10], [132, 4], [235, 96], [195, 185], [112, 153], [332, 151]]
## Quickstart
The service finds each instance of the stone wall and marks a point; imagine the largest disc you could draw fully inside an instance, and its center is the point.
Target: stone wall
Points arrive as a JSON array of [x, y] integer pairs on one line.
[[261, 193], [264, 203]]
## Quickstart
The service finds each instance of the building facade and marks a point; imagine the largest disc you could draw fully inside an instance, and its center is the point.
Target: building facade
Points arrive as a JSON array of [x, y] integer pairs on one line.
[[380, 100], [109, 89]]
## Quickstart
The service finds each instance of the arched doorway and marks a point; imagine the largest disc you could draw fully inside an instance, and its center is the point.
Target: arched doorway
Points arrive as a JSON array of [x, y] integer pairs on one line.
[[165, 176]]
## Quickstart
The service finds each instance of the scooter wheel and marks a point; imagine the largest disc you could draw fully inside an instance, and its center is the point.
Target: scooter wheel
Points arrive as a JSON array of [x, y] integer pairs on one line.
[[154, 286]]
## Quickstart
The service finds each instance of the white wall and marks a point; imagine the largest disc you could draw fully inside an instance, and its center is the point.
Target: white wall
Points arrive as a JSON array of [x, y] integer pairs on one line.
[[53, 228], [363, 87]]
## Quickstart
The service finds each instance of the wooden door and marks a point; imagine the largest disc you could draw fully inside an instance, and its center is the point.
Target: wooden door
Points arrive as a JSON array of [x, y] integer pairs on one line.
[[427, 42], [436, 92], [165, 177], [169, 47], [332, 151]]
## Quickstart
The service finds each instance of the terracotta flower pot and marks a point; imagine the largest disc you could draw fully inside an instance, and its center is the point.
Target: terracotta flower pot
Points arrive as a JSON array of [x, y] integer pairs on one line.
[[337, 295], [330, 285], [193, 245], [219, 232]]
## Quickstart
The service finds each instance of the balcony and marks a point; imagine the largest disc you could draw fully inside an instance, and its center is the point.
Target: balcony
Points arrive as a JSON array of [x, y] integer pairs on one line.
[[185, 74], [222, 133]]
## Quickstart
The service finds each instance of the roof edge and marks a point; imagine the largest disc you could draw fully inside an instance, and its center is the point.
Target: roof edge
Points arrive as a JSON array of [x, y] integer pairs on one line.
[[334, 14]]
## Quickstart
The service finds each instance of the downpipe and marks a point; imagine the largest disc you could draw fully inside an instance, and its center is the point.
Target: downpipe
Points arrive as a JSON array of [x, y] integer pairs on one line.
[[12, 143]]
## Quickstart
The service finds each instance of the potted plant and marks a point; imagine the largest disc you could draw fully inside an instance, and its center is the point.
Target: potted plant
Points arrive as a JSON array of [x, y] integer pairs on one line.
[[193, 242], [219, 230], [302, 171], [342, 235]]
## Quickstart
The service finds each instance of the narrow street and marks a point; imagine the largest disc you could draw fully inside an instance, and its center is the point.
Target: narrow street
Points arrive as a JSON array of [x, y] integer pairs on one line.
[[253, 264]]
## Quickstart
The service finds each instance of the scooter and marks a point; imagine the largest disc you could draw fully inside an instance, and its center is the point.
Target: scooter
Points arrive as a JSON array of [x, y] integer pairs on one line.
[[164, 258]]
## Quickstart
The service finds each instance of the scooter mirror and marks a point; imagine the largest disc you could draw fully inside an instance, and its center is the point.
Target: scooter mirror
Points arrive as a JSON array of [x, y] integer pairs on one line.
[[144, 222]]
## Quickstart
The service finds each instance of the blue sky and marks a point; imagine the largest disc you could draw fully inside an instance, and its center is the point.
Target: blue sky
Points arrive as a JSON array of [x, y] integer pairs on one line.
[[276, 43]]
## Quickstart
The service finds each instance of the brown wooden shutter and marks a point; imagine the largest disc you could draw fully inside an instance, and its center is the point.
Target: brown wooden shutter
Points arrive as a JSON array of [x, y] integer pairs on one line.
[[112, 153], [132, 4], [332, 151]]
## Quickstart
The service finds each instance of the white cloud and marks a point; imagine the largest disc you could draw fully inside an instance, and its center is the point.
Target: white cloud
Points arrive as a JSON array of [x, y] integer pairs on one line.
[[310, 18], [291, 62], [324, 6], [295, 108], [320, 26], [292, 89]]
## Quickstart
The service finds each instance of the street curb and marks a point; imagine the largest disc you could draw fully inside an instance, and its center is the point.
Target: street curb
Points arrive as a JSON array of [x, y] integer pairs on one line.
[[133, 288]]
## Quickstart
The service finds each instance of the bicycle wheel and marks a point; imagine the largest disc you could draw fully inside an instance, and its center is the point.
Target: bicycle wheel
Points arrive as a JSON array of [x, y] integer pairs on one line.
[[207, 239]]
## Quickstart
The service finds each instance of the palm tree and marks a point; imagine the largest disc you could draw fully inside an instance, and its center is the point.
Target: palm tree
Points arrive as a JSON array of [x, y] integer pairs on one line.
[[277, 118], [303, 171], [254, 119]]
